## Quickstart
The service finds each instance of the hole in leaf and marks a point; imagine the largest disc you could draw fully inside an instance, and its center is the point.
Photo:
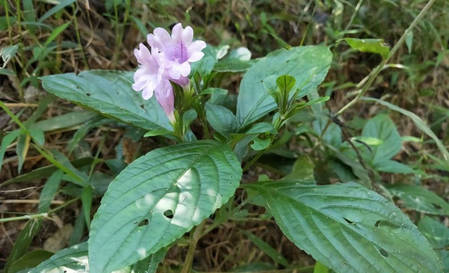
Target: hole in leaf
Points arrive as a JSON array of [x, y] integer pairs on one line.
[[88, 94], [141, 106], [436, 206], [383, 252], [348, 221], [144, 222], [168, 213], [377, 223]]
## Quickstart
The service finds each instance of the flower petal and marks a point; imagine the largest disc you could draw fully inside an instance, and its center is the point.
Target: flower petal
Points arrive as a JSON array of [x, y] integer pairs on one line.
[[142, 54], [165, 97], [194, 48], [182, 81], [187, 36], [139, 85], [176, 33], [196, 56], [184, 69], [153, 42], [147, 93], [162, 35]]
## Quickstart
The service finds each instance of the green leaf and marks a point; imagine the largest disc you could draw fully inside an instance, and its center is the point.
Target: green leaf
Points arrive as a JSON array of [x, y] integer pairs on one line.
[[158, 198], [64, 121], [260, 143], [55, 33], [73, 259], [38, 136], [55, 9], [285, 83], [409, 41], [86, 199], [78, 229], [348, 227], [49, 191], [369, 45], [110, 93], [23, 242], [188, 117], [151, 263], [238, 60], [435, 231], [221, 119], [392, 166], [76, 176], [7, 53], [418, 122], [161, 132], [307, 64], [420, 199], [371, 141], [29, 13], [267, 249], [382, 127], [45, 172], [29, 260], [438, 235], [205, 66], [6, 141], [22, 147], [320, 268], [302, 171], [260, 128]]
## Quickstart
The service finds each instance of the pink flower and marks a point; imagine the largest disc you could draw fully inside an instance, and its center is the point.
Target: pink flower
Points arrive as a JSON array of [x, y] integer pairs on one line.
[[168, 60], [178, 49], [152, 77]]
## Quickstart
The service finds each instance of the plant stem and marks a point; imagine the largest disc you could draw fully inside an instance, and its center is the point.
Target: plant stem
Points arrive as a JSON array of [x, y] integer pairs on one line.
[[356, 11], [5, 4], [374, 73], [187, 267], [38, 215]]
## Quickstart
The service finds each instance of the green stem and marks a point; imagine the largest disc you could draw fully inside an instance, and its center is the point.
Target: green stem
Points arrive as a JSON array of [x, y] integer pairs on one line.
[[38, 215], [187, 267], [373, 75], [78, 37], [354, 14], [5, 4]]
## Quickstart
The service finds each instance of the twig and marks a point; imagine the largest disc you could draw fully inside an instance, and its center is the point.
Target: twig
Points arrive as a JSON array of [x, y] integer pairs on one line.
[[38, 215], [18, 201], [14, 105], [374, 73]]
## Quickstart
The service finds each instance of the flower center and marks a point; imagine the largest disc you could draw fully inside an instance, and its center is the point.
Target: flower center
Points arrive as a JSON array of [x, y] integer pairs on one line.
[[177, 52]]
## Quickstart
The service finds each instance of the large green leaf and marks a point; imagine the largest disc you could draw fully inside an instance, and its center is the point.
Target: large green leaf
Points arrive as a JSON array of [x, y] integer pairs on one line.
[[307, 64], [348, 227], [158, 198], [110, 93], [420, 199]]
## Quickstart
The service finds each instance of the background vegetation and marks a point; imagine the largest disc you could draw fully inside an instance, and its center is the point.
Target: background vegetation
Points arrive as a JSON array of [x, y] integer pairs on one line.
[[48, 37]]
